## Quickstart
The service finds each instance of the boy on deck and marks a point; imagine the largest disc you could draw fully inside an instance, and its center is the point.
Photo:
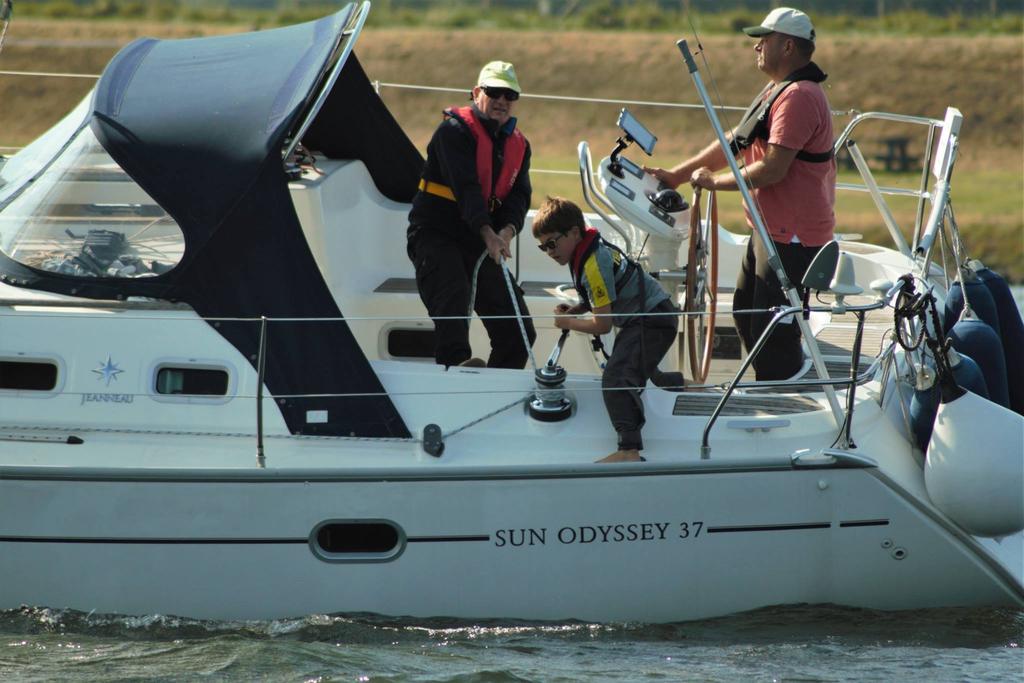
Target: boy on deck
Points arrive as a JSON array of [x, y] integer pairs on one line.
[[615, 290]]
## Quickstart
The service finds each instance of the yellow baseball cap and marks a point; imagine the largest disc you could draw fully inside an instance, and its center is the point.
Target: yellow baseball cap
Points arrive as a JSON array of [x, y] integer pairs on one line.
[[499, 75]]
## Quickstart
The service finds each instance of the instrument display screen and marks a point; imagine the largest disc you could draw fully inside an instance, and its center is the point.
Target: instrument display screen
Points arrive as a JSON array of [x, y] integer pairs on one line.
[[619, 187], [631, 168], [662, 216], [637, 132]]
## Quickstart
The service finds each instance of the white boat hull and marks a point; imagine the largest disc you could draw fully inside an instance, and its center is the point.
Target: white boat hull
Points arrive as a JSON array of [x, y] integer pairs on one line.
[[656, 545]]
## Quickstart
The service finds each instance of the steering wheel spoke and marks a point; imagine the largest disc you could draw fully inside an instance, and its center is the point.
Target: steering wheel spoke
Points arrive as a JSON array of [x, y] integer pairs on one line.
[[702, 286]]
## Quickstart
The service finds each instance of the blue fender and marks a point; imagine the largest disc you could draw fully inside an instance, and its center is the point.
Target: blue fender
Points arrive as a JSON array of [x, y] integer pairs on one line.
[[979, 341], [968, 375], [981, 303], [1011, 329], [923, 406]]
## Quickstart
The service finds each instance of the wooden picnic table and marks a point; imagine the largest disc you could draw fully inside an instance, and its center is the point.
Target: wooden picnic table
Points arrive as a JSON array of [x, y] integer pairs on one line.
[[896, 157]]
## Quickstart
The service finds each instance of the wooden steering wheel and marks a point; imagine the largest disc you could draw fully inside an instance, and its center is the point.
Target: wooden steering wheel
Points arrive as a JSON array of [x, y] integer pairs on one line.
[[702, 286]]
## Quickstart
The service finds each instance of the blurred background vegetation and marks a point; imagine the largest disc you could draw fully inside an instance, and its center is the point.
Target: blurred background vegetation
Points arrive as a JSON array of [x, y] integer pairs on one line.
[[908, 56], [715, 16]]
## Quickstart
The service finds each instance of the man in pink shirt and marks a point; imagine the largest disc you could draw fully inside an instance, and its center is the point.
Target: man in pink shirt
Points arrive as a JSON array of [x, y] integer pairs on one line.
[[785, 139]]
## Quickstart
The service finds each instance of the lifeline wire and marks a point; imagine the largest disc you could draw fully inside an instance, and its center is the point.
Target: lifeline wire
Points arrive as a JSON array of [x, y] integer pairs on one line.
[[347, 318]]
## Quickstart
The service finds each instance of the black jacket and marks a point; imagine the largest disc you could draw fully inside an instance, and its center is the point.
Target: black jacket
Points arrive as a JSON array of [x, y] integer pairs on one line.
[[451, 161]]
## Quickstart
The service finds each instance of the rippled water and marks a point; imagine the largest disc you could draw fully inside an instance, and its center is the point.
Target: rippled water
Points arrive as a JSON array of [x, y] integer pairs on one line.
[[820, 643]]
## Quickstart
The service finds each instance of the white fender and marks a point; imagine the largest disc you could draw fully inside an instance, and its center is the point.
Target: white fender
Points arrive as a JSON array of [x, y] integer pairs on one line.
[[974, 469]]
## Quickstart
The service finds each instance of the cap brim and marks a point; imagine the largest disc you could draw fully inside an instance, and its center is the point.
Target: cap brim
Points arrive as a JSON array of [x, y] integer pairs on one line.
[[498, 83], [757, 31]]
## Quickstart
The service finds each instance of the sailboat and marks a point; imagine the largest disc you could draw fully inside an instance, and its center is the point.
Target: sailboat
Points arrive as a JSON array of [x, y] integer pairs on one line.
[[218, 400]]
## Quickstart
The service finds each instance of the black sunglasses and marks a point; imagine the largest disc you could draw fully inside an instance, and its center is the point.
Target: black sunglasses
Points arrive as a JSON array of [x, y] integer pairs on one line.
[[551, 243], [494, 93]]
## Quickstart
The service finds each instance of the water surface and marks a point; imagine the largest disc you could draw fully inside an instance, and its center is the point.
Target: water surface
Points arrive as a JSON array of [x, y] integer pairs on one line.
[[798, 643]]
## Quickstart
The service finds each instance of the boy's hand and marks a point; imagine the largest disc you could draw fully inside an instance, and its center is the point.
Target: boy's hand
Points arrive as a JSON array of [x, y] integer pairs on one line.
[[566, 316]]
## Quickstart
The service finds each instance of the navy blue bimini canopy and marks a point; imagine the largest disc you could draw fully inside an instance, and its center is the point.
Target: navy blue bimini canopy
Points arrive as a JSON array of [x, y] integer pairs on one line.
[[200, 125]]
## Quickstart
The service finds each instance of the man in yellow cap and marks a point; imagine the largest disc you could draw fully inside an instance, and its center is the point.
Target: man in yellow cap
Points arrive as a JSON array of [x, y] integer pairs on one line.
[[473, 197], [785, 140]]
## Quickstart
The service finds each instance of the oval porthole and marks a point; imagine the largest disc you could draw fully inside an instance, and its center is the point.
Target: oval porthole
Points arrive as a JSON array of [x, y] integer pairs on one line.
[[357, 540]]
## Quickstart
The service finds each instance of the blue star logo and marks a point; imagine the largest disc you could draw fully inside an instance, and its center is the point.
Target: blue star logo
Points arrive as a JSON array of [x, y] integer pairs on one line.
[[108, 371]]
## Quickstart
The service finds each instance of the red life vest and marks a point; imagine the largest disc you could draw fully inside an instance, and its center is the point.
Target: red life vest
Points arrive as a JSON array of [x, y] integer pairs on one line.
[[587, 245], [515, 151]]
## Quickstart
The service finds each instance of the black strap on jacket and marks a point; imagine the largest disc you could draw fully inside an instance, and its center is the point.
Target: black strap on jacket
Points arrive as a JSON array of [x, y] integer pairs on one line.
[[754, 123]]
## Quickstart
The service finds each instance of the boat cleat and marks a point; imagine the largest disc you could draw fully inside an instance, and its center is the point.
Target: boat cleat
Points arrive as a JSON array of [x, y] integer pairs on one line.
[[805, 458]]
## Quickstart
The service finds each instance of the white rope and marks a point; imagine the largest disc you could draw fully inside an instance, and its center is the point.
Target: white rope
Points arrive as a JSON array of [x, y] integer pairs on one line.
[[515, 305], [519, 315], [472, 287]]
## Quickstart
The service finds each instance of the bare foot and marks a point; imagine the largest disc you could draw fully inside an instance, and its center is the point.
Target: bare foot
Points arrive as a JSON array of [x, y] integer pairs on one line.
[[628, 455]]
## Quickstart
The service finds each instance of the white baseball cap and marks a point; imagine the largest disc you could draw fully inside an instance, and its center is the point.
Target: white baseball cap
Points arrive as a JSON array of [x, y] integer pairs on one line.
[[786, 20]]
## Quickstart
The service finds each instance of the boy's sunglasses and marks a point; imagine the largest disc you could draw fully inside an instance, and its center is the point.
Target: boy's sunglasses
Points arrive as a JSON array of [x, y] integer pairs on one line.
[[551, 243], [494, 93]]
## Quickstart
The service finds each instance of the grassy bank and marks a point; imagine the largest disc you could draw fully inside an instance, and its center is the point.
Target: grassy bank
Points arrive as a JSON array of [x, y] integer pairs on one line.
[[593, 15], [910, 75]]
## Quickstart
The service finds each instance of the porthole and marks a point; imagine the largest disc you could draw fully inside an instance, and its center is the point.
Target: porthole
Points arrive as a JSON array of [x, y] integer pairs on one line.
[[357, 540], [191, 381], [23, 375], [410, 343]]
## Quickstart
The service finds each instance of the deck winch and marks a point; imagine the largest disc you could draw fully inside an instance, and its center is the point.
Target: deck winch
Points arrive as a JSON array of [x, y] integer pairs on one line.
[[550, 403]]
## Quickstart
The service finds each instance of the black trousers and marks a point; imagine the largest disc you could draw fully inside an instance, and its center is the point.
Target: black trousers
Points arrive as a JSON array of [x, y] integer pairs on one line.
[[639, 347], [758, 287], [444, 273]]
